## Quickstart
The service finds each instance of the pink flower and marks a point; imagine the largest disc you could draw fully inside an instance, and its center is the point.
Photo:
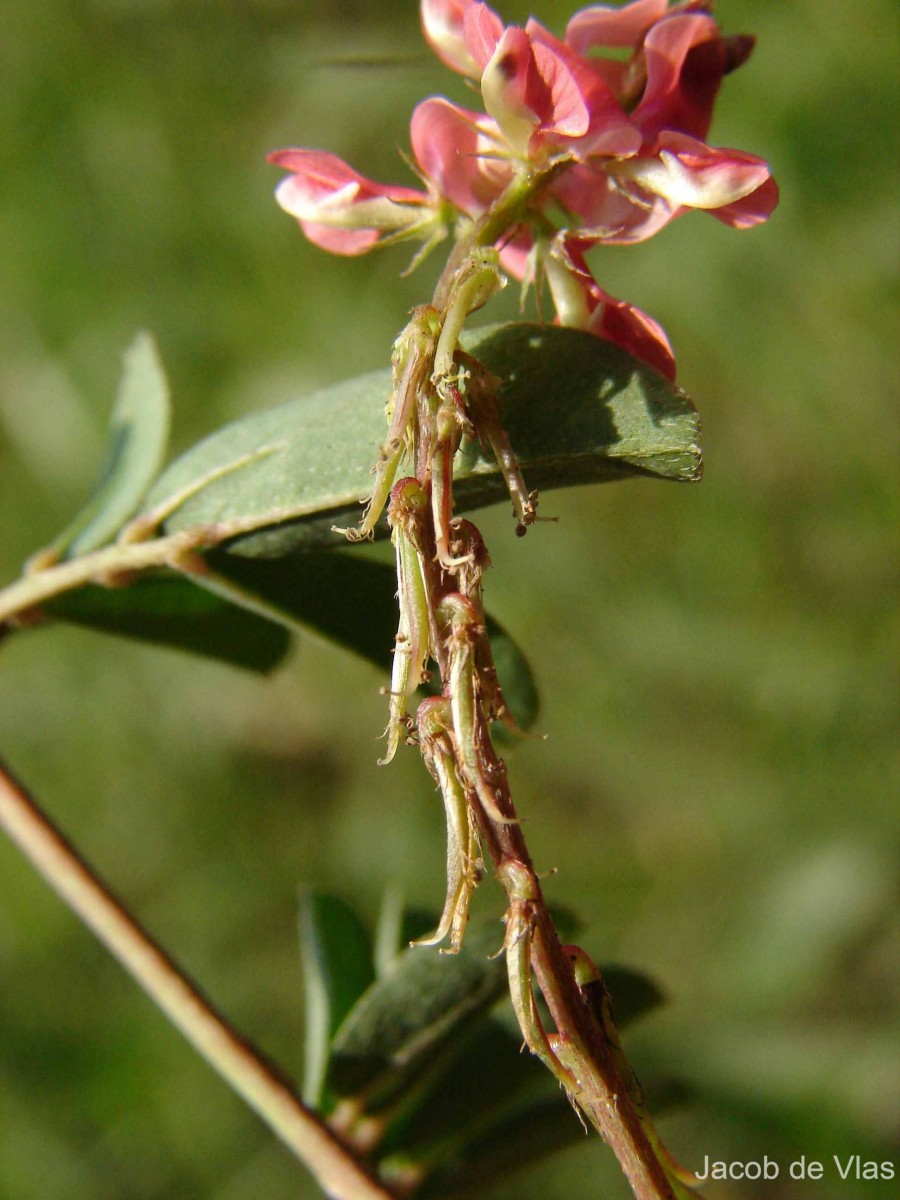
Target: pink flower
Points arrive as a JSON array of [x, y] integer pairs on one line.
[[633, 330], [752, 209], [609, 130], [443, 23], [686, 59], [342, 211], [628, 201], [630, 175], [679, 60], [531, 94], [603, 25], [604, 209]]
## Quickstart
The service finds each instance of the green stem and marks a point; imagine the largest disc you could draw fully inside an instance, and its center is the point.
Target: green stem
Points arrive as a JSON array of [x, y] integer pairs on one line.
[[29, 592], [506, 211], [331, 1162], [113, 565]]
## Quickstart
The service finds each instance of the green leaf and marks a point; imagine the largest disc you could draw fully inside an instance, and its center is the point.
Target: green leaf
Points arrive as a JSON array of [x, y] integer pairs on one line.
[[577, 408], [412, 1014], [136, 447], [351, 600], [517, 680], [490, 1149], [174, 612], [243, 613], [633, 993], [492, 1109], [345, 597], [419, 1051], [502, 1148], [450, 1111], [453, 1113], [336, 955]]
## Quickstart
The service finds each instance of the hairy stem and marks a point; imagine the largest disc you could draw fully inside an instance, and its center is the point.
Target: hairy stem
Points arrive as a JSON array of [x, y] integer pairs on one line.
[[340, 1174], [578, 1052], [602, 1094], [505, 212]]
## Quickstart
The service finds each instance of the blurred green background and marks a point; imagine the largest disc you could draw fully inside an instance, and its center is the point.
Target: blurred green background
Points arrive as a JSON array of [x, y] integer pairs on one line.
[[718, 787]]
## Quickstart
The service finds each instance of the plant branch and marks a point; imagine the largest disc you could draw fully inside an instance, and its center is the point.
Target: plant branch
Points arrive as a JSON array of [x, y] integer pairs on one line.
[[340, 1174], [580, 1053], [118, 561], [502, 215]]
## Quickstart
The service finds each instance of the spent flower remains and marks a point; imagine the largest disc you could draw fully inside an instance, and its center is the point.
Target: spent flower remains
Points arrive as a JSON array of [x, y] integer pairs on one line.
[[595, 138]]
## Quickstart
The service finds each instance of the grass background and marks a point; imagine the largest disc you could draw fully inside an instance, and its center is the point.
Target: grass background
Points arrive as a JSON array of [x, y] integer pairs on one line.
[[718, 788]]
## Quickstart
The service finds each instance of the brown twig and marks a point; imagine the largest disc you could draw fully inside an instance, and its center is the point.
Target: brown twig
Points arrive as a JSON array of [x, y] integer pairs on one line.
[[333, 1164], [600, 1091]]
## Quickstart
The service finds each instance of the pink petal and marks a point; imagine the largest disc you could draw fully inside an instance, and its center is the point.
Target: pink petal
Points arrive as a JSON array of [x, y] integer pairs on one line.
[[605, 209], [686, 172], [514, 93], [577, 88], [348, 242], [617, 321], [318, 173], [295, 198], [532, 92], [454, 148], [482, 29], [327, 196], [566, 112], [635, 331], [515, 255], [686, 60], [751, 210], [320, 176], [602, 25], [443, 23]]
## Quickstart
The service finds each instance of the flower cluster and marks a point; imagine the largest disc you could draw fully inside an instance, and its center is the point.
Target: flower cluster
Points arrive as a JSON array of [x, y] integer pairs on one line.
[[595, 149]]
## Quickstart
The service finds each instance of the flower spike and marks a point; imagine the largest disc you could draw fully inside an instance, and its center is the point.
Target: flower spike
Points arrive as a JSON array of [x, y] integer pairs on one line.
[[573, 149]]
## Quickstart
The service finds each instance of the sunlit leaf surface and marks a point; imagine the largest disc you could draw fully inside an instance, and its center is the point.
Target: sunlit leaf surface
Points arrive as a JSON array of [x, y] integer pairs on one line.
[[577, 410]]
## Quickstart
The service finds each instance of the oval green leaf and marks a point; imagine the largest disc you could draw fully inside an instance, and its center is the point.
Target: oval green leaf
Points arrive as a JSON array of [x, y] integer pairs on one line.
[[137, 437], [336, 957], [172, 612], [577, 409], [403, 1023], [351, 600], [451, 1114]]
